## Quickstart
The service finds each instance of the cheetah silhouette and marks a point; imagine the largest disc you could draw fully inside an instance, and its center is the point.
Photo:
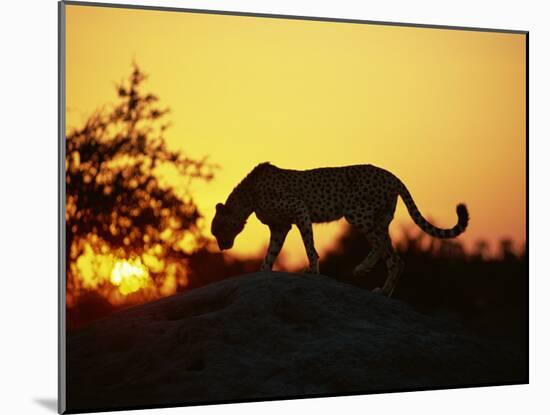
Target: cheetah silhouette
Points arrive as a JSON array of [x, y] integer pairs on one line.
[[365, 195]]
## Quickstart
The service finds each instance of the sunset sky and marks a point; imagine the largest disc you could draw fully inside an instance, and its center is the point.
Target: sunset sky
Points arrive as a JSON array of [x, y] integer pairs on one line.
[[444, 110]]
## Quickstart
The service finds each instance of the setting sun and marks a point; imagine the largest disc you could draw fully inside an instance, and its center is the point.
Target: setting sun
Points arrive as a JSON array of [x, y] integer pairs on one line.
[[129, 276]]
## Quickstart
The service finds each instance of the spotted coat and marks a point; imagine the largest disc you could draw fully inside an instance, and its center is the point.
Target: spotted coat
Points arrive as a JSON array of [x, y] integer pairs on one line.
[[365, 195]]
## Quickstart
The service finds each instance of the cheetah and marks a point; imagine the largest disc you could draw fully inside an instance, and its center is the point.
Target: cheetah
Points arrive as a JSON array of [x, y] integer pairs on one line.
[[365, 195]]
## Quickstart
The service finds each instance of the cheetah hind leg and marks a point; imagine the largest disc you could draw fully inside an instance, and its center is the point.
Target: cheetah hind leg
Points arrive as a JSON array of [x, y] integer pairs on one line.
[[367, 264], [376, 242], [395, 269]]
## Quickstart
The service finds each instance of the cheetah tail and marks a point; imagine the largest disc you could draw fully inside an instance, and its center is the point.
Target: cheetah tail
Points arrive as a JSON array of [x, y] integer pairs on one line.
[[460, 227]]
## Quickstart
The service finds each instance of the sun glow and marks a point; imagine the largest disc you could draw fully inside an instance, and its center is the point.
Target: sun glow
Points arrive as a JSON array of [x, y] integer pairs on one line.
[[130, 276], [124, 280]]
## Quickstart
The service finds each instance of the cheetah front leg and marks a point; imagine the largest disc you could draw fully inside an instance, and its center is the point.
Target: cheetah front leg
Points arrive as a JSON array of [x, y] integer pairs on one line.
[[303, 222], [276, 241]]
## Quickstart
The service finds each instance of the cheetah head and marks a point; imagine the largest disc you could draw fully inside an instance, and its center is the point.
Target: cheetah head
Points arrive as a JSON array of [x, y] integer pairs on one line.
[[226, 225]]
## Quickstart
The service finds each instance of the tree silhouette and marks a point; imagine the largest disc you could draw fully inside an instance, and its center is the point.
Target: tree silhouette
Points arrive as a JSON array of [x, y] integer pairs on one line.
[[114, 196]]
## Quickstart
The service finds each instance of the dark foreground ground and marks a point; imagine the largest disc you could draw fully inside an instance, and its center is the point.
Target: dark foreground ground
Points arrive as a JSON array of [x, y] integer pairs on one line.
[[274, 335]]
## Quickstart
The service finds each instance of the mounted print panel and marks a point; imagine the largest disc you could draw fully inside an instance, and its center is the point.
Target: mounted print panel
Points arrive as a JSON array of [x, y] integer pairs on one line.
[[259, 207]]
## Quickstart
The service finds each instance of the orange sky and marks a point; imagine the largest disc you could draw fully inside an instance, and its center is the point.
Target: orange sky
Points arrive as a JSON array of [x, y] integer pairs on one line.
[[442, 109]]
